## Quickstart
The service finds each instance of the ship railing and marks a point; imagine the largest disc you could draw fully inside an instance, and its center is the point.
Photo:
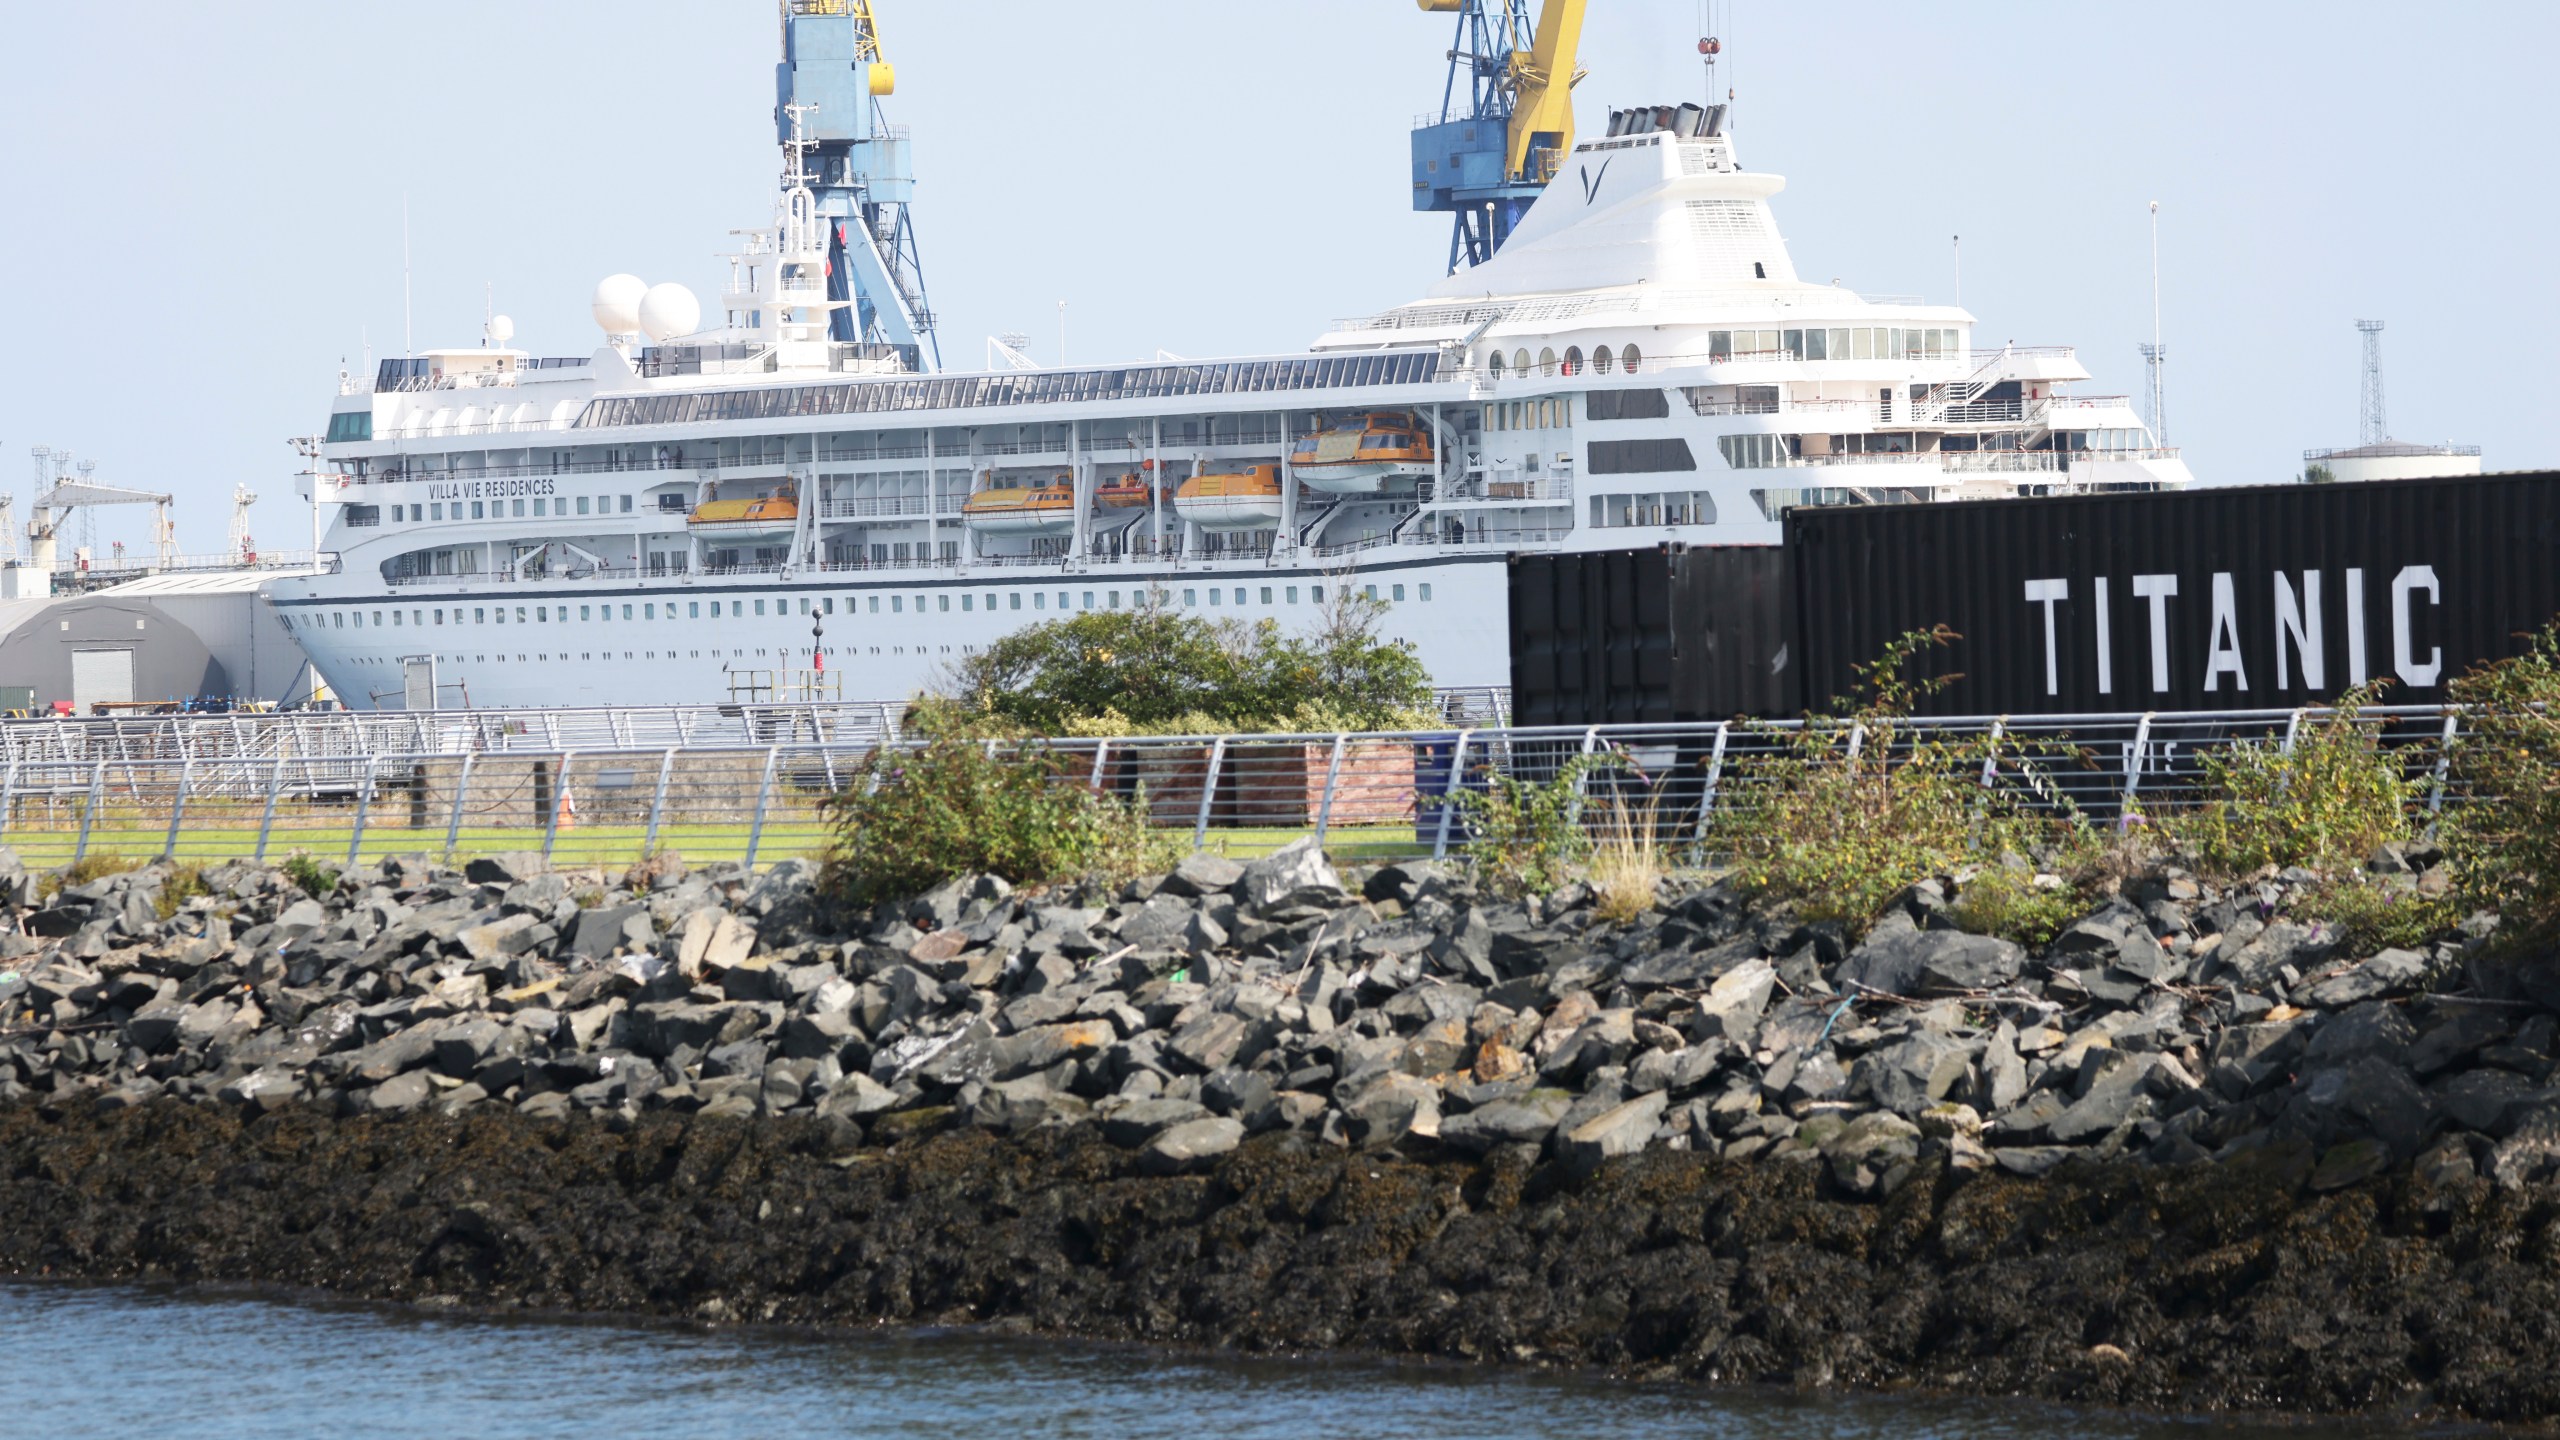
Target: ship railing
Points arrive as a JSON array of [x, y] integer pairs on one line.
[[753, 782]]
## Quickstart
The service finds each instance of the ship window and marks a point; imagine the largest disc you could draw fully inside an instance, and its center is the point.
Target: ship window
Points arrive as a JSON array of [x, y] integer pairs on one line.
[[479, 616], [1862, 344], [1601, 360], [582, 504], [1266, 594], [1213, 594], [1317, 592], [991, 602], [519, 614], [1017, 599], [692, 608], [626, 614], [584, 612], [1546, 362], [1719, 345], [1632, 359], [1065, 602], [650, 612], [1520, 361], [759, 607], [1190, 597], [542, 612], [1426, 590], [439, 617], [968, 602], [1292, 593], [626, 504], [1372, 591], [475, 510], [519, 509], [1040, 600], [538, 507], [1573, 360], [898, 604], [946, 602], [1399, 592], [1494, 363], [1114, 599], [436, 511]]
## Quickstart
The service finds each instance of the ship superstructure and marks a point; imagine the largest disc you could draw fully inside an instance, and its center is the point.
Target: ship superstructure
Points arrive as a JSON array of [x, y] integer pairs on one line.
[[1638, 362]]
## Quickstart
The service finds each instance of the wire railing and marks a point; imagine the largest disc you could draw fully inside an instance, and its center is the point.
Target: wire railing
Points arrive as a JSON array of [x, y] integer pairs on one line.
[[750, 783]]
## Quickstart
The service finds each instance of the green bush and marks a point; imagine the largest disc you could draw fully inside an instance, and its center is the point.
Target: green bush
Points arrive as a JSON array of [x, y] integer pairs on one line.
[[2501, 831], [910, 819], [1527, 835], [1155, 671], [2375, 912], [2004, 899], [2326, 803], [1847, 811], [317, 880]]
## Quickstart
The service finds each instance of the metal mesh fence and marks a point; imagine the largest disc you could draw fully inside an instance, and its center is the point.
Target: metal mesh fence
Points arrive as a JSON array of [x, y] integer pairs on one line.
[[754, 791]]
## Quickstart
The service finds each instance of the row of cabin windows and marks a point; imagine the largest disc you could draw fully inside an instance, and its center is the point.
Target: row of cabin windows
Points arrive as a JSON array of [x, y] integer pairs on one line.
[[490, 509], [809, 605], [1673, 507], [1854, 343], [1602, 361]]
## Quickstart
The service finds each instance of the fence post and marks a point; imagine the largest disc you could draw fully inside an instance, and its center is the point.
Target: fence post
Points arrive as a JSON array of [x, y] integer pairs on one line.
[[1101, 750], [1449, 794], [2133, 761], [2435, 796], [461, 788], [1332, 777], [267, 821], [2292, 728], [89, 811], [559, 801], [658, 803], [1715, 777], [177, 809], [364, 807], [764, 793], [1208, 792], [1991, 762]]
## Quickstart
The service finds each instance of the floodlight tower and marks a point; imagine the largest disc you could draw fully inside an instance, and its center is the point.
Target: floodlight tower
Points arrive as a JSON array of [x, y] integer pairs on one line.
[[834, 72], [2376, 428]]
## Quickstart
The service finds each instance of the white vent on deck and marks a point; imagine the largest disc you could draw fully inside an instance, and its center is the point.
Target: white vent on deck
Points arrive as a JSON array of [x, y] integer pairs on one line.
[[1739, 240]]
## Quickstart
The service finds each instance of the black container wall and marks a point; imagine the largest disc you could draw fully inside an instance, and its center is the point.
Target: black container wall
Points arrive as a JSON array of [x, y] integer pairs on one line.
[[2258, 597], [1650, 636]]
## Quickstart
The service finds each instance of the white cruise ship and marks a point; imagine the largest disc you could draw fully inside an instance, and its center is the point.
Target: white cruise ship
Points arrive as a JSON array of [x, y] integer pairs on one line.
[[690, 506]]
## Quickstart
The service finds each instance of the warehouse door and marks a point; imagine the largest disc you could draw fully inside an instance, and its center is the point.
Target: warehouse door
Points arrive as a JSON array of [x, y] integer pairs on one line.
[[100, 677]]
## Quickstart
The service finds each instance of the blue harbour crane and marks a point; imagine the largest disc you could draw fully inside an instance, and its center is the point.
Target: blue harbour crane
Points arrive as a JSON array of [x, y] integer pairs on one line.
[[834, 74], [1506, 119]]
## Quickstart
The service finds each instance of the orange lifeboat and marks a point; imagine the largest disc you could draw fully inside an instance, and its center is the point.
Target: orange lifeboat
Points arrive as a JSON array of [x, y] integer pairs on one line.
[[1377, 453], [1246, 501], [1021, 510]]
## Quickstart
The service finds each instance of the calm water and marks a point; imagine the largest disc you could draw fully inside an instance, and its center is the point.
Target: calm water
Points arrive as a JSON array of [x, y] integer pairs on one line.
[[78, 1361]]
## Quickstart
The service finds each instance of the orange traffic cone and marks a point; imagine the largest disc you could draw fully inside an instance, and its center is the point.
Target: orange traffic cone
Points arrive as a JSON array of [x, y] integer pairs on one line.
[[567, 818]]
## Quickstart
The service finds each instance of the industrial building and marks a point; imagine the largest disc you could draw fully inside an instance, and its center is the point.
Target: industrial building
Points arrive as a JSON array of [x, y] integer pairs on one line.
[[163, 639]]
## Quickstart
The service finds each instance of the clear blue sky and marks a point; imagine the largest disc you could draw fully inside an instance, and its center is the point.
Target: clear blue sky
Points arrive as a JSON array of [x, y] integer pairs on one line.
[[203, 202]]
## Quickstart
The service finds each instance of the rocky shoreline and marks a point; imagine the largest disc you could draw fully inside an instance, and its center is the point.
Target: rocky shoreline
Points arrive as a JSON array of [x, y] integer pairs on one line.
[[2192, 1154]]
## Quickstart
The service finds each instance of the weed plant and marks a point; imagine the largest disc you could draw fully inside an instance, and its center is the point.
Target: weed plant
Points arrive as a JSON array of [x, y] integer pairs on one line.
[[2326, 802]]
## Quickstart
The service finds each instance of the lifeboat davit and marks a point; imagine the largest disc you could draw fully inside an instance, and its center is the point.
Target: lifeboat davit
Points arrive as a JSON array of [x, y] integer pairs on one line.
[[1379, 452], [1021, 510], [1248, 501], [769, 517]]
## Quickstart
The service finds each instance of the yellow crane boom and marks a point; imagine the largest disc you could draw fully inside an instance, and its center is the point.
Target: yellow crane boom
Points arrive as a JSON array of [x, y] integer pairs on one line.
[[1542, 80]]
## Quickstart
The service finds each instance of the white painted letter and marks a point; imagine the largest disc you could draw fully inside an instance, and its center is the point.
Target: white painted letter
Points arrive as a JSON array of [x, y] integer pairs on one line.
[[2357, 671], [2106, 643], [2413, 674], [2301, 621], [2157, 589], [2222, 652], [2049, 593]]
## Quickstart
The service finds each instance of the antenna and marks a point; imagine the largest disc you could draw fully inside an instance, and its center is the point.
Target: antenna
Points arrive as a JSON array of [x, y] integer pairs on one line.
[[2376, 428], [2156, 354], [1959, 244]]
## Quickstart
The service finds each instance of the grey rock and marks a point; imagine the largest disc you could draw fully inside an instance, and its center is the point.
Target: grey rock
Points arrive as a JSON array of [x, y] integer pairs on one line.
[[1867, 1151], [2489, 1101], [1531, 1119], [1211, 1042], [1930, 962], [1389, 1108], [401, 1092], [2463, 1032], [1732, 1007], [506, 868], [1202, 873], [2377, 1097], [2393, 972], [1913, 1074], [2370, 1029], [2113, 1096], [1296, 872], [1193, 1142], [1132, 1125], [1622, 1129]]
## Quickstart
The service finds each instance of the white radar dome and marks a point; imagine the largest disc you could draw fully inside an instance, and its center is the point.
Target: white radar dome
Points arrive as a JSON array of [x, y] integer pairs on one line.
[[669, 310], [501, 330], [617, 303]]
